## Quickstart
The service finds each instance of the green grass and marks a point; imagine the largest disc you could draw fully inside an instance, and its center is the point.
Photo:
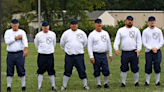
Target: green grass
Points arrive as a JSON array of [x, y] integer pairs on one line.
[[75, 84]]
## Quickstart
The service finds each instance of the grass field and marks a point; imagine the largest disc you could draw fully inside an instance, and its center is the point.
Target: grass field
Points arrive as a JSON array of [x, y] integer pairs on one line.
[[75, 84]]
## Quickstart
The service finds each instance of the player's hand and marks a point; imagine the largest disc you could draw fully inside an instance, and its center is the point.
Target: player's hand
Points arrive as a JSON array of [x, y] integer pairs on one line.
[[110, 58], [116, 52], [92, 60], [137, 51], [154, 50], [18, 37], [25, 53]]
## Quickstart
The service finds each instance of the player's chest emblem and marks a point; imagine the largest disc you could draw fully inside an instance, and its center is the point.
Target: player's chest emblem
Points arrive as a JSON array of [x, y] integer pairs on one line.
[[131, 34], [103, 38], [48, 40], [79, 36], [155, 35]]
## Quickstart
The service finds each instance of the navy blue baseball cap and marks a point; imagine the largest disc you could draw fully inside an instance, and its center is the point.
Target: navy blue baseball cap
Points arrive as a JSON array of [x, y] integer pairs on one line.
[[45, 23], [98, 20], [151, 18], [129, 18], [14, 21], [73, 22]]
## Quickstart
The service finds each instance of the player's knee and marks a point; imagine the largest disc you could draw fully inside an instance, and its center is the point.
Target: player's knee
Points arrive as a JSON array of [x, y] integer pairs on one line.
[[124, 69], [135, 70], [67, 74], [96, 74], [157, 70]]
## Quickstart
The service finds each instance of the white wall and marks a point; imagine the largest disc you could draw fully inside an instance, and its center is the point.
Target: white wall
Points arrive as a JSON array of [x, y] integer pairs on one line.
[[107, 19]]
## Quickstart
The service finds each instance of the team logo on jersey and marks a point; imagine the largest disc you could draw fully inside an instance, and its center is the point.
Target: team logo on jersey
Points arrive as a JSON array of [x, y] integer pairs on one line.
[[48, 40], [79, 36], [155, 35], [103, 38], [131, 34]]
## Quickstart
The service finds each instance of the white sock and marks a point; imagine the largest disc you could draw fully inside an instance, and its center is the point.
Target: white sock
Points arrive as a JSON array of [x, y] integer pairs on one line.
[[52, 80], [98, 80], [65, 80], [23, 81], [40, 79], [84, 82], [106, 79], [136, 77], [157, 77], [123, 77], [9, 80], [148, 77]]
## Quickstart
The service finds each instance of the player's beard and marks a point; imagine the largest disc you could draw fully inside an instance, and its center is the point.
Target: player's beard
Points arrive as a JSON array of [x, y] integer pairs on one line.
[[129, 25], [152, 26]]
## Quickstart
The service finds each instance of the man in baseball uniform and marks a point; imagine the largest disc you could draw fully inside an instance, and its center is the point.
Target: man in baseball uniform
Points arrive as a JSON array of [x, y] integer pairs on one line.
[[131, 44], [98, 44], [152, 39], [45, 42], [16, 41], [74, 41]]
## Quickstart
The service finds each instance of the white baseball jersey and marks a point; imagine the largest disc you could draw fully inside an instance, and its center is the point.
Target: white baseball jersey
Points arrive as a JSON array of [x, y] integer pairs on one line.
[[130, 39], [152, 38], [73, 42], [45, 42], [99, 42], [15, 45]]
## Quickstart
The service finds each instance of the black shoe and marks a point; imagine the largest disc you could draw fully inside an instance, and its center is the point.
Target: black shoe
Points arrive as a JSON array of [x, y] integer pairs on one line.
[[107, 86], [137, 84], [54, 88], [24, 88], [122, 85], [8, 89], [158, 84], [98, 87], [146, 84]]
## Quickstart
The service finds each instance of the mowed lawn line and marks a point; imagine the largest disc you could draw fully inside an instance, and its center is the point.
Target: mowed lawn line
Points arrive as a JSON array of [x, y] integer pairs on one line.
[[75, 84]]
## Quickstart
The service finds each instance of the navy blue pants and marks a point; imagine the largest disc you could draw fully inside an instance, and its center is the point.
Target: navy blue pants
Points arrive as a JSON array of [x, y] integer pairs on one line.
[[78, 62], [101, 61], [46, 63], [129, 57], [150, 57], [15, 58]]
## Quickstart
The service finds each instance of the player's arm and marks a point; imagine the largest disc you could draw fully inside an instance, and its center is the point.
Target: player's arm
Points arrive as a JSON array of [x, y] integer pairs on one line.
[[8, 39], [54, 42], [109, 48], [161, 40], [139, 41], [144, 40], [85, 41], [62, 41], [36, 42], [90, 49], [117, 42], [25, 42]]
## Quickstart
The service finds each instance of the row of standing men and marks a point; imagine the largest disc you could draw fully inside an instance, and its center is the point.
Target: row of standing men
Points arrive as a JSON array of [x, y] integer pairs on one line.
[[74, 41]]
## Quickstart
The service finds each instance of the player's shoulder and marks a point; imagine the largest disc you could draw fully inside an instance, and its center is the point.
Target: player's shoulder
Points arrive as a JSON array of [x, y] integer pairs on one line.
[[51, 32], [92, 33], [67, 31], [121, 29], [39, 33], [146, 29], [81, 31], [156, 28], [104, 31], [8, 30], [22, 31], [135, 28]]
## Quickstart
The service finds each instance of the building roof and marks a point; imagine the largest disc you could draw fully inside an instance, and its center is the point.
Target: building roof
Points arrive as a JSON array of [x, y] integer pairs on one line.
[[94, 15]]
